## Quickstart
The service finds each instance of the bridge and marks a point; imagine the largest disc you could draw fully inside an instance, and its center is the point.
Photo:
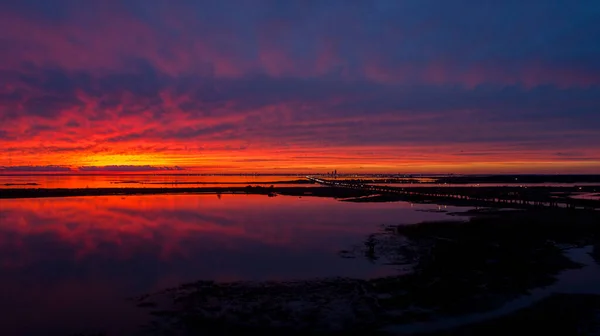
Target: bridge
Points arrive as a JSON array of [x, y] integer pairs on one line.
[[441, 195]]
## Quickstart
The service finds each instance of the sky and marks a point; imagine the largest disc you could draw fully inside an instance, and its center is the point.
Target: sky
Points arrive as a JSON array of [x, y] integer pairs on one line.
[[463, 86]]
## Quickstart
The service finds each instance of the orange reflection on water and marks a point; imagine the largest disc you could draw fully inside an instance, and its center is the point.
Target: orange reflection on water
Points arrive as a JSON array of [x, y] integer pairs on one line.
[[178, 226], [117, 180], [84, 255]]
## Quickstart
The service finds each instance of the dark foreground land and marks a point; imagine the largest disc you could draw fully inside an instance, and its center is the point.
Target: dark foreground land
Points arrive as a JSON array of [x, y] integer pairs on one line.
[[446, 270], [559, 314]]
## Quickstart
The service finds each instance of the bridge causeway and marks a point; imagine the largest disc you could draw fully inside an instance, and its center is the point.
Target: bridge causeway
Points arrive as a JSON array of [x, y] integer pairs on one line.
[[440, 195]]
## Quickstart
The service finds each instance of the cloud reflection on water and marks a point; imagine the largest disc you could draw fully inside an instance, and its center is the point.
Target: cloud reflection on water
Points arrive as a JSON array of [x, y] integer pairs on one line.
[[77, 258]]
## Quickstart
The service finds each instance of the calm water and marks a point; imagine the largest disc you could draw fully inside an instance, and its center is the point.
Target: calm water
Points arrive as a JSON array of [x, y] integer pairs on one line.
[[185, 181], [140, 181], [69, 263]]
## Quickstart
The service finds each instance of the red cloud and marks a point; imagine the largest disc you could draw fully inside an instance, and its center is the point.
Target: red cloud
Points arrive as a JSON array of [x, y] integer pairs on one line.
[[107, 86]]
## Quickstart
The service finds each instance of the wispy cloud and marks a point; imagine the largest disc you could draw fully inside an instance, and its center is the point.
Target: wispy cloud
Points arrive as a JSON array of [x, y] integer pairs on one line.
[[205, 84]]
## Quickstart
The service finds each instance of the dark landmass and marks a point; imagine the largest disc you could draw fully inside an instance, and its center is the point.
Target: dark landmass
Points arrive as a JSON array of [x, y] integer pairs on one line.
[[559, 314], [21, 184], [446, 269]]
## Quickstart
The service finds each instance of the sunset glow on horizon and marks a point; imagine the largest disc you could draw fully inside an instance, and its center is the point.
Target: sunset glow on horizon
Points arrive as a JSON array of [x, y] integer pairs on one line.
[[389, 86]]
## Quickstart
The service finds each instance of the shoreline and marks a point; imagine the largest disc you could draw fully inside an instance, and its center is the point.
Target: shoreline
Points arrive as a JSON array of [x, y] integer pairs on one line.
[[515, 197], [507, 268]]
